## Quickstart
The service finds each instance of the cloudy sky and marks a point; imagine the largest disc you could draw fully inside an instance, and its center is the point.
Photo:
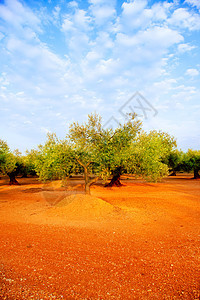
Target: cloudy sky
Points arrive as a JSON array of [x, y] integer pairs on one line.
[[61, 60]]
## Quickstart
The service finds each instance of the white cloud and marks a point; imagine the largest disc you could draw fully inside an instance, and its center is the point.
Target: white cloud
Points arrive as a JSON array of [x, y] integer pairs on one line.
[[4, 80], [56, 12], [37, 55], [182, 18], [160, 36], [147, 46], [67, 25], [79, 21], [101, 2], [93, 56], [184, 92], [107, 67], [78, 44], [185, 48], [18, 15], [134, 15], [1, 35], [28, 122], [82, 20], [102, 45], [159, 11], [15, 45], [133, 8], [45, 130], [77, 27], [195, 3], [20, 94], [137, 14], [73, 4], [103, 13], [192, 72], [165, 86]]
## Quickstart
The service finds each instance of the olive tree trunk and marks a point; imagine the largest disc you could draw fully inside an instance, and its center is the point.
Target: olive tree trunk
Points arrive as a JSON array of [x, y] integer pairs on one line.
[[115, 181], [88, 180], [13, 180], [196, 174]]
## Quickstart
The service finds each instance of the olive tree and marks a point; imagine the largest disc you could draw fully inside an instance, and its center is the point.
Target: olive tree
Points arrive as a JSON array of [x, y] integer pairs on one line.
[[54, 160], [191, 162], [101, 151], [8, 162], [148, 155], [175, 161]]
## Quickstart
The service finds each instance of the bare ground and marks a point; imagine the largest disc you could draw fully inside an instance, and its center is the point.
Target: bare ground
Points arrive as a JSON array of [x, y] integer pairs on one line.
[[140, 241]]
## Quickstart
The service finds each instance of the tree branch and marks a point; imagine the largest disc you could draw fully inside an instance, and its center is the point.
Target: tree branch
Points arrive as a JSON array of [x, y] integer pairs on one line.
[[94, 180], [78, 160], [84, 166]]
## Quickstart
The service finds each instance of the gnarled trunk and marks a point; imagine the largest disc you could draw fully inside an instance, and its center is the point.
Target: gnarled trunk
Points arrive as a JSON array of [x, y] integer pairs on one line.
[[173, 173], [115, 181], [88, 180], [196, 174], [13, 180]]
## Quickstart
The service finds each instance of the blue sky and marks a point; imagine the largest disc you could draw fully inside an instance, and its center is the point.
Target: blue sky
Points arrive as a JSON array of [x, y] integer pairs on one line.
[[61, 60]]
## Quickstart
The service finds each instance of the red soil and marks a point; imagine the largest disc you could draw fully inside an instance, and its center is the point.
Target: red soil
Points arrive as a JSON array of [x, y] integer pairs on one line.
[[141, 242]]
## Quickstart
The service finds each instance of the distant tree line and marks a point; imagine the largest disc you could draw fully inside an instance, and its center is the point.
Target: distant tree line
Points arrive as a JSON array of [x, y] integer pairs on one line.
[[100, 153], [189, 161]]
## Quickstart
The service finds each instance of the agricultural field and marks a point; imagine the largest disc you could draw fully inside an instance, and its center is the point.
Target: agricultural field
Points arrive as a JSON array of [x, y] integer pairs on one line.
[[99, 150], [137, 241]]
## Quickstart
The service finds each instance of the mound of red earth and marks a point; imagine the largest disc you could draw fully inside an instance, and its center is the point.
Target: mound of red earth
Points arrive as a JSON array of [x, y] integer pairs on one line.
[[82, 207]]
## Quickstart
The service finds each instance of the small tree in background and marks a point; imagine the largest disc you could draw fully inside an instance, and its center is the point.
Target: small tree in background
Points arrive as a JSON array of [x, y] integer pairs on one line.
[[191, 162], [175, 161], [28, 161], [8, 163]]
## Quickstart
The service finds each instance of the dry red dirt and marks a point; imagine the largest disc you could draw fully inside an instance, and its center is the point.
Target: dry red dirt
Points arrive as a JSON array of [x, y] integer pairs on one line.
[[140, 241]]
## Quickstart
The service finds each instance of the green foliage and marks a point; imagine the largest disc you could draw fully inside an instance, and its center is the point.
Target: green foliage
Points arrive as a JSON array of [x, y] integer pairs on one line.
[[12, 163], [54, 160], [191, 161], [102, 150], [7, 159], [30, 160], [175, 160], [20, 166], [148, 154], [121, 149]]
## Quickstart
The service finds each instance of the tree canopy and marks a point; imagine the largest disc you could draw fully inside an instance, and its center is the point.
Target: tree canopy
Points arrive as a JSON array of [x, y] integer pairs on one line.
[[101, 151], [148, 155], [54, 160]]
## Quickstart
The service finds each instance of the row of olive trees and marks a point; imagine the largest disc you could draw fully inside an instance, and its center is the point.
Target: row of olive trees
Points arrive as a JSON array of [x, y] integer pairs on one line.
[[14, 164], [98, 152], [188, 162]]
